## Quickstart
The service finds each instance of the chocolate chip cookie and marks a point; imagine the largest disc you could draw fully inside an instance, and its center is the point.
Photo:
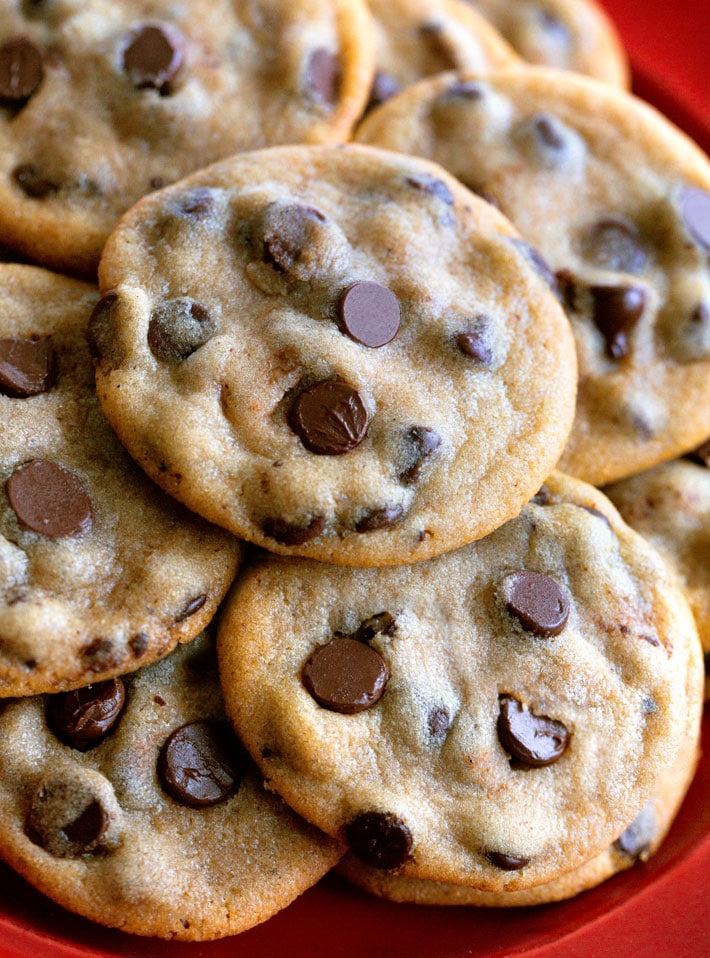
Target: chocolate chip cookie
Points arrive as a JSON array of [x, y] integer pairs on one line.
[[670, 506], [132, 803], [103, 102], [333, 352], [617, 202], [493, 717], [100, 572]]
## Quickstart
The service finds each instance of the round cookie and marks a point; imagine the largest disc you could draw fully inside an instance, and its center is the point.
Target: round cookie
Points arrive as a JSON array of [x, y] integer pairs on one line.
[[417, 38], [160, 824], [566, 34], [493, 717], [617, 201], [670, 506], [266, 330], [103, 102], [100, 572]]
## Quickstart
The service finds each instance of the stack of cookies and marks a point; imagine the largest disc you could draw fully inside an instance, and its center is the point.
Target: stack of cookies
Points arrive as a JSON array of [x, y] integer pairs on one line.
[[304, 561]]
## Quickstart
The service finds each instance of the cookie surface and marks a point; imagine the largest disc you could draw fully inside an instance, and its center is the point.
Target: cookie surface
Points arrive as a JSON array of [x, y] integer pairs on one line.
[[266, 333], [100, 572], [112, 100], [493, 717], [617, 201], [566, 34], [161, 824]]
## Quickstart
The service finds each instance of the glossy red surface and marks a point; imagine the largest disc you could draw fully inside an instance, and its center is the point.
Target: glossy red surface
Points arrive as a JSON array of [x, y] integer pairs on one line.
[[658, 909]]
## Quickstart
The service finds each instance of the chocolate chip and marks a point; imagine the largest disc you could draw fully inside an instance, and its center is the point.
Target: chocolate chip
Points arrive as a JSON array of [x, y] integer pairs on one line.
[[701, 455], [369, 313], [380, 518], [637, 839], [27, 366], [292, 534], [537, 601], [154, 56], [100, 332], [695, 209], [614, 243], [67, 819], [439, 723], [323, 76], [379, 839], [545, 139], [384, 623], [178, 328], [384, 87], [84, 717], [197, 202], [420, 443], [197, 764], [48, 499], [537, 261], [290, 231], [21, 69], [138, 644], [507, 863], [531, 740], [346, 676], [471, 90], [543, 497], [194, 605], [98, 655], [475, 341], [426, 183], [329, 418], [617, 310], [32, 183], [434, 34], [595, 512]]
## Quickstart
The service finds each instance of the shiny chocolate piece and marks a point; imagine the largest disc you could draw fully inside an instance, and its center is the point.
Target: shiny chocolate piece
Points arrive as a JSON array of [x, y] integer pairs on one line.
[[329, 418], [21, 69], [193, 606], [614, 243], [421, 443], [383, 623], [196, 765], [531, 740], [433, 186], [323, 75], [636, 840], [507, 863], [84, 717], [48, 499], [290, 230], [345, 676], [291, 534], [27, 366], [617, 310], [178, 328], [475, 341], [369, 314], [379, 839], [380, 518], [67, 820], [695, 210], [539, 604], [154, 56], [32, 182]]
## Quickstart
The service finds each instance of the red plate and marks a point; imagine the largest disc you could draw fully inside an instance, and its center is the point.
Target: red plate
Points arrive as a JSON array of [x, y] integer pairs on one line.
[[658, 909]]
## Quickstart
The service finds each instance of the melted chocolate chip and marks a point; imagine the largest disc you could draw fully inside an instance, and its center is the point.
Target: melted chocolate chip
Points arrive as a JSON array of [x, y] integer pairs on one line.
[[380, 518], [595, 512], [614, 243], [27, 366], [329, 418], [193, 606], [695, 210], [432, 185], [289, 232], [154, 56], [617, 310], [197, 202], [48, 499], [537, 602], [507, 863], [537, 261], [179, 327], [291, 534], [197, 764], [475, 341], [346, 676], [323, 75], [369, 314], [67, 819], [637, 839], [138, 644], [32, 183], [98, 655], [545, 139], [471, 90], [384, 87], [21, 69], [531, 740], [701, 455], [379, 839], [384, 623], [421, 442], [84, 718], [439, 723]]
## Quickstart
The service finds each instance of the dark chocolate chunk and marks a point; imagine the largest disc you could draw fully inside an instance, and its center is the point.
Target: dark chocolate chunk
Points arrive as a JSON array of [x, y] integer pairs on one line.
[[545, 139], [154, 56], [329, 418], [379, 839], [98, 655], [531, 740], [32, 182], [289, 231], [369, 313], [384, 87], [323, 75], [198, 764], [701, 455], [432, 185], [384, 623], [475, 341], [614, 243], [194, 605], [197, 202], [27, 366], [470, 90], [84, 717], [346, 676], [21, 69], [291, 534], [421, 442], [48, 499], [595, 512], [439, 723], [537, 602], [507, 863], [638, 837], [179, 327], [67, 819], [695, 210], [380, 518], [617, 310], [138, 644]]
